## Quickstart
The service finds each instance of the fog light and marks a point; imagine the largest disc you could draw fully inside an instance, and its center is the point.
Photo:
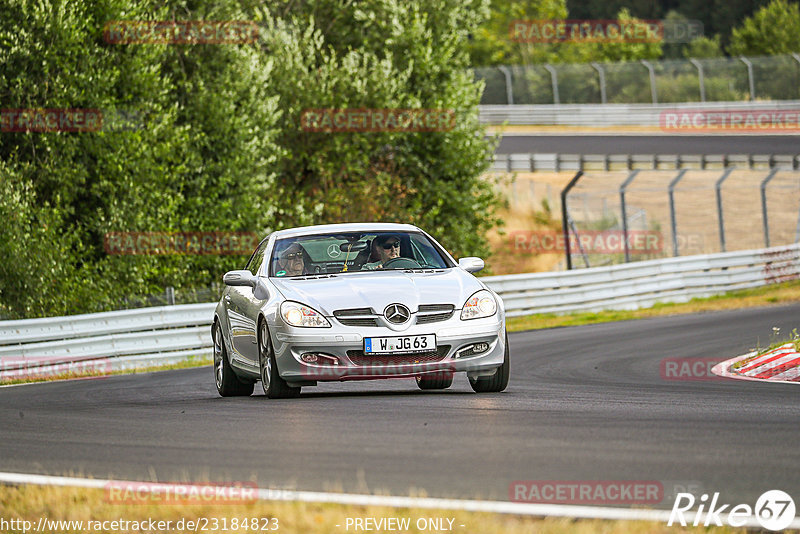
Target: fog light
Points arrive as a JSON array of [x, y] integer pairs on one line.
[[472, 350], [319, 358]]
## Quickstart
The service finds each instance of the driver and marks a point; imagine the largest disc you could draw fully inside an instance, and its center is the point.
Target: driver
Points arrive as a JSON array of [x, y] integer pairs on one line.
[[292, 260], [385, 247]]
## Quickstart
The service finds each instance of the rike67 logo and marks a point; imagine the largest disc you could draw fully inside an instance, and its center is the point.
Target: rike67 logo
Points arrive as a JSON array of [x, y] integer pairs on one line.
[[774, 510]]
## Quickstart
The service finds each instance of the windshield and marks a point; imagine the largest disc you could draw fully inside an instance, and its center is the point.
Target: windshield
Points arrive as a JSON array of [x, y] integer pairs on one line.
[[354, 252]]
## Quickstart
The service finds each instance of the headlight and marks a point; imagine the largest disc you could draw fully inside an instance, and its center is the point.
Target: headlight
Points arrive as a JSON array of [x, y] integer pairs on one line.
[[481, 304], [295, 314]]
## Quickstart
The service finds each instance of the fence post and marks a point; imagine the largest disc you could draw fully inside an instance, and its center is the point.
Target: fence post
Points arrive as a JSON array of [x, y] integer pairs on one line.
[[652, 80], [718, 187], [672, 217], [699, 68], [601, 74], [564, 222], [764, 183], [554, 80], [749, 76], [622, 189], [796, 57], [509, 88]]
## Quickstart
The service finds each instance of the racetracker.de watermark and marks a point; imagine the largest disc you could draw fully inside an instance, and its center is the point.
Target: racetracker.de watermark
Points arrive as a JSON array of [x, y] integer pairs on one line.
[[171, 243], [688, 369], [613, 492], [51, 120], [71, 120], [51, 367], [588, 241], [182, 494], [604, 31], [377, 120], [709, 120], [180, 32]]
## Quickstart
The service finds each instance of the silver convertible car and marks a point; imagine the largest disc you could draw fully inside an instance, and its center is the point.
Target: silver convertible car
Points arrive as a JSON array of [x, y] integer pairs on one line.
[[355, 302]]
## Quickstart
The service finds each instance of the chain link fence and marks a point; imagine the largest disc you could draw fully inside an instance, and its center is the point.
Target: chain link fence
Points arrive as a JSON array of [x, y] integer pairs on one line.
[[648, 214], [667, 81]]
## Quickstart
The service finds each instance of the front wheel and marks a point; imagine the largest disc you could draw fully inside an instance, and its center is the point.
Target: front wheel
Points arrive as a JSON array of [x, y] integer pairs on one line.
[[273, 385], [495, 383], [228, 384]]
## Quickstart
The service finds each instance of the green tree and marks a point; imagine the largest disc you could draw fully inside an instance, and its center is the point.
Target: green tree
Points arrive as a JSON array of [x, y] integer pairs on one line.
[[773, 29], [385, 54]]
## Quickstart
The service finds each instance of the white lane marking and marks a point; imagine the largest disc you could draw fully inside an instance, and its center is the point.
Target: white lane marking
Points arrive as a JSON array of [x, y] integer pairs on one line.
[[499, 507]]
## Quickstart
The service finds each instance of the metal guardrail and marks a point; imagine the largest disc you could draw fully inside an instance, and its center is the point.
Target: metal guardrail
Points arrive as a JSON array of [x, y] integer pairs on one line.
[[611, 162], [105, 341], [635, 285], [168, 334], [604, 115]]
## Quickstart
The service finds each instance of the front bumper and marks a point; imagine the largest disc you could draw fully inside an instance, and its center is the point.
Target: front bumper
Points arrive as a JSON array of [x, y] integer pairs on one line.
[[344, 345]]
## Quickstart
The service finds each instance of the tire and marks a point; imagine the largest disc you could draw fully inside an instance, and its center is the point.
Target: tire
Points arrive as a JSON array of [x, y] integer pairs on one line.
[[441, 380], [228, 384], [495, 383], [273, 385]]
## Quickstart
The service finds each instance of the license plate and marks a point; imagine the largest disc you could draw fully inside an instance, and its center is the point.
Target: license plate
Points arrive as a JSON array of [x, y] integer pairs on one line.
[[399, 344]]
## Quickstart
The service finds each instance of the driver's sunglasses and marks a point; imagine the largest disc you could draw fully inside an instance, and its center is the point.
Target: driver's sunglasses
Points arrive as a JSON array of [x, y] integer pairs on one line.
[[388, 246], [294, 256]]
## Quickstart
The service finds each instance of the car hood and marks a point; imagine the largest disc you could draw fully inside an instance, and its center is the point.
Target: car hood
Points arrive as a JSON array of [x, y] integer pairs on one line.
[[377, 290]]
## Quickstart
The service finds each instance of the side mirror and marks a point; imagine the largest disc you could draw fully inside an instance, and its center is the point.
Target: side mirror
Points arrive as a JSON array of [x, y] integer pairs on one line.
[[239, 278], [246, 278], [471, 264]]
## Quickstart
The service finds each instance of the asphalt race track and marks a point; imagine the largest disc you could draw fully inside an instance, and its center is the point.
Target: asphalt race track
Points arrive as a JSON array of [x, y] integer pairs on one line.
[[584, 403], [645, 143]]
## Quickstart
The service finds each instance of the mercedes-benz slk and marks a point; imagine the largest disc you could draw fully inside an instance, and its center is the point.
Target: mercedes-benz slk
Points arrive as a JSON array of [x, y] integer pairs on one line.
[[354, 302]]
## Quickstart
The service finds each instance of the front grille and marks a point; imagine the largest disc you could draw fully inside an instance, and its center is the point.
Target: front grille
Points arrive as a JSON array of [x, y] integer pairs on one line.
[[360, 321], [433, 313], [356, 317], [433, 317], [353, 311], [359, 358], [425, 308]]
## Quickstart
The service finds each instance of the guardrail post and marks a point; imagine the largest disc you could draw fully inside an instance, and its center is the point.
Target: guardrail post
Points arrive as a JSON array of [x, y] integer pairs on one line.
[[509, 88], [764, 183], [700, 76], [170, 293], [622, 189], [749, 76], [554, 80], [652, 72], [720, 219], [673, 219], [601, 74], [564, 222], [797, 228]]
